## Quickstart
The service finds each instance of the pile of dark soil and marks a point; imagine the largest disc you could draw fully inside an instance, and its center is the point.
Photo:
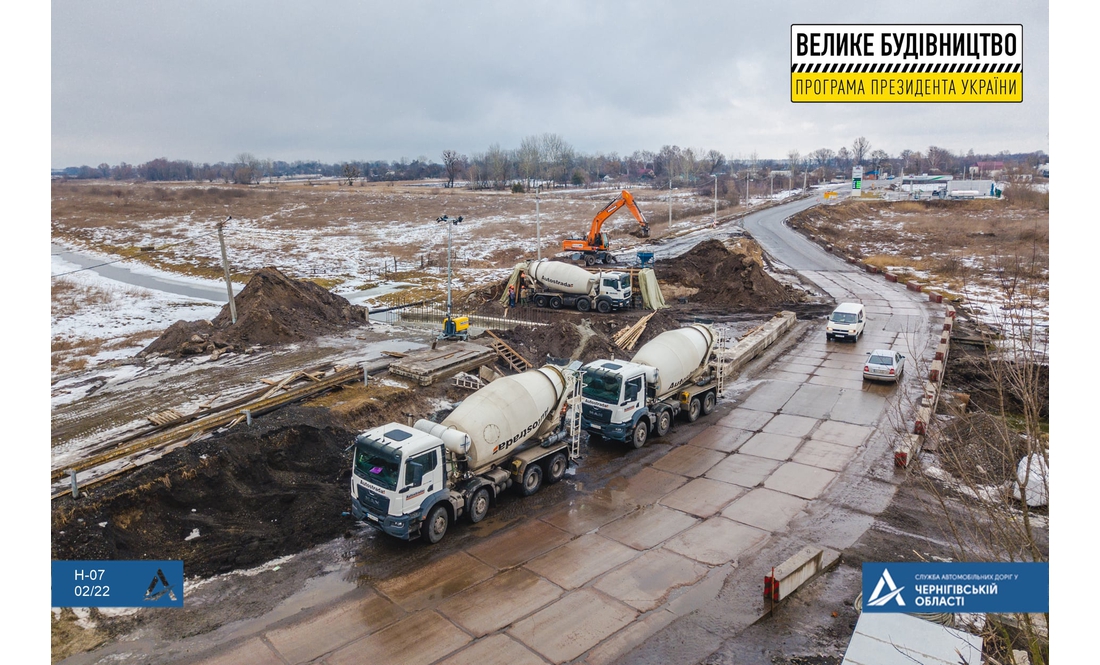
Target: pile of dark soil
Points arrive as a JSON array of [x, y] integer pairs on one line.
[[998, 387], [271, 309], [233, 501], [725, 276], [566, 338], [981, 449]]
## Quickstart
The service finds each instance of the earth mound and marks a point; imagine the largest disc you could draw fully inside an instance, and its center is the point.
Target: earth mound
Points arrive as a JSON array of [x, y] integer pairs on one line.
[[716, 274], [271, 309]]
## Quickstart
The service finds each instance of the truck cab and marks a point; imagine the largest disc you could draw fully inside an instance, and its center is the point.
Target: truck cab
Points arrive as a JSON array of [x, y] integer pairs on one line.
[[398, 472], [615, 287], [614, 400]]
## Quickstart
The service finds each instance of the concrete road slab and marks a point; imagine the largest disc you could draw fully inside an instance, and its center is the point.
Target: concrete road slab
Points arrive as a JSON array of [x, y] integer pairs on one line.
[[846, 384], [846, 434], [344, 622], [420, 639], [716, 541], [689, 460], [772, 446], [511, 595], [790, 377], [572, 625], [770, 396], [645, 582], [578, 561], [746, 419], [702, 497], [790, 425], [807, 482], [252, 652], [798, 364], [765, 509], [855, 365], [832, 372], [647, 486], [434, 582], [495, 650], [824, 455], [903, 321], [647, 527], [628, 638], [811, 401], [583, 515], [520, 544], [724, 439], [744, 470], [859, 407]]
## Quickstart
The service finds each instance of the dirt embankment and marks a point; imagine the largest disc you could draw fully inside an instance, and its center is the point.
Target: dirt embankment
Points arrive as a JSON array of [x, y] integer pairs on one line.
[[271, 309], [714, 274]]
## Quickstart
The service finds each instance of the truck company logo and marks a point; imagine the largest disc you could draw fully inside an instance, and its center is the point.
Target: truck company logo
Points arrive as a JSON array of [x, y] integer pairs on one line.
[[879, 600], [907, 63], [501, 447]]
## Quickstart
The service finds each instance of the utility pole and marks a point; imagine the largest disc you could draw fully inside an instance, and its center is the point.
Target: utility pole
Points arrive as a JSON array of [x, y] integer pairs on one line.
[[225, 267], [538, 227], [670, 204], [714, 223]]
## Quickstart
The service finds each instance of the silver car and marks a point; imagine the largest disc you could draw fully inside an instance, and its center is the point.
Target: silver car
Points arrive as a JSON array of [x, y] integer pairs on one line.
[[884, 365]]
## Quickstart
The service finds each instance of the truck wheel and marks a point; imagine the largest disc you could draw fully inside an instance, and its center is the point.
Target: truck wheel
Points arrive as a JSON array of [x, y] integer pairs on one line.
[[710, 400], [695, 407], [641, 433], [555, 302], [532, 480], [479, 506], [435, 527], [664, 423], [540, 301], [589, 260], [584, 304], [603, 306], [555, 468], [607, 258]]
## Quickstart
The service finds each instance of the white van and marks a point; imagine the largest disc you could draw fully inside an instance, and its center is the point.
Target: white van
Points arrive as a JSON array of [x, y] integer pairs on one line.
[[846, 321]]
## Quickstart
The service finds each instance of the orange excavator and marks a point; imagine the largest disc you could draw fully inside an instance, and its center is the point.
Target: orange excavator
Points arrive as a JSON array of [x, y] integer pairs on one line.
[[594, 245]]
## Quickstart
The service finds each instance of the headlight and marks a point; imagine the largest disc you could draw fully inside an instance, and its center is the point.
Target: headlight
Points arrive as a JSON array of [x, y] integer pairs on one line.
[[399, 524]]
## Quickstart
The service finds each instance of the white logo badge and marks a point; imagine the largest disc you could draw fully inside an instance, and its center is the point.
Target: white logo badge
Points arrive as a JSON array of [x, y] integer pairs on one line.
[[895, 593]]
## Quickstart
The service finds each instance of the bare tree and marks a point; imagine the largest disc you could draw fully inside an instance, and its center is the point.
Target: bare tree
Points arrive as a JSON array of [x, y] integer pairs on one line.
[[843, 159], [351, 172], [937, 158], [793, 159], [452, 164], [246, 169], [860, 147]]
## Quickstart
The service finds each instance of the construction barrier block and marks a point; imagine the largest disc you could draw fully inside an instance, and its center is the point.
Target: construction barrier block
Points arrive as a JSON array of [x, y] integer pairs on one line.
[[890, 277], [901, 458], [793, 573], [934, 374], [939, 355], [935, 297], [950, 312], [829, 248], [913, 286], [908, 449], [851, 259], [947, 326], [944, 341]]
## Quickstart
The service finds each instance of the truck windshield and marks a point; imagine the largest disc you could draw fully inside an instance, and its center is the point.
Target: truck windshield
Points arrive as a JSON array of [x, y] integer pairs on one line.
[[377, 463], [624, 283], [602, 386]]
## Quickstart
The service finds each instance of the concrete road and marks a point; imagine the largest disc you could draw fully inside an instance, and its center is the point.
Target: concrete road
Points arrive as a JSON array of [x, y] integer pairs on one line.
[[645, 556]]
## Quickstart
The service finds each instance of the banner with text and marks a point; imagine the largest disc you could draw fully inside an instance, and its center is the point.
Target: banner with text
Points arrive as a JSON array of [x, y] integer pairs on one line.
[[956, 587], [907, 63]]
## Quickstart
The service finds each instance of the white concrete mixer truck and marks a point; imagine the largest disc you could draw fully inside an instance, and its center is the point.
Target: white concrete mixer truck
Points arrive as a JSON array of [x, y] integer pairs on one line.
[[556, 284], [520, 431], [678, 371]]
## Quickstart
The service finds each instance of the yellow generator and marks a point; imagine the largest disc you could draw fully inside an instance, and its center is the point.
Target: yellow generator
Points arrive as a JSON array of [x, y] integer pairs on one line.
[[457, 327]]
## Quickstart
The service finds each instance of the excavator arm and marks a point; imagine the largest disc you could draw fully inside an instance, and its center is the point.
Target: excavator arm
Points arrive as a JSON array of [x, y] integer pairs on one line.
[[595, 240]]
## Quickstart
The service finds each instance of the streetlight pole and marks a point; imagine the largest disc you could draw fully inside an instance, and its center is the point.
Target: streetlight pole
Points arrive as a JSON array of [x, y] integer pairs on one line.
[[538, 227], [449, 325]]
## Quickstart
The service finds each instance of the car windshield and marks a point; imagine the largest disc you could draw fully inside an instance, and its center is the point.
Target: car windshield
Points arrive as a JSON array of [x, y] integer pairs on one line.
[[377, 463], [843, 317], [881, 360], [602, 386]]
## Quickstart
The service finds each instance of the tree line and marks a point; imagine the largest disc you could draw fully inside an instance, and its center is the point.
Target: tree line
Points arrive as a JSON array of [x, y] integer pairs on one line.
[[548, 160]]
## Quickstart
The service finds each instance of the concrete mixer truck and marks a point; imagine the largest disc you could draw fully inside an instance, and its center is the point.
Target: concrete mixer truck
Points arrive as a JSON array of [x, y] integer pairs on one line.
[[677, 372], [556, 284], [518, 431]]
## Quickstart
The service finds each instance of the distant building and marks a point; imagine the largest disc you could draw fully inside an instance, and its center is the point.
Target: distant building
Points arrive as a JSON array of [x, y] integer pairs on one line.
[[1043, 170]]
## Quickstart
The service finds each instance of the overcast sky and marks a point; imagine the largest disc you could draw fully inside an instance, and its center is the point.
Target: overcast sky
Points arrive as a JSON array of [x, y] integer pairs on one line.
[[336, 81]]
